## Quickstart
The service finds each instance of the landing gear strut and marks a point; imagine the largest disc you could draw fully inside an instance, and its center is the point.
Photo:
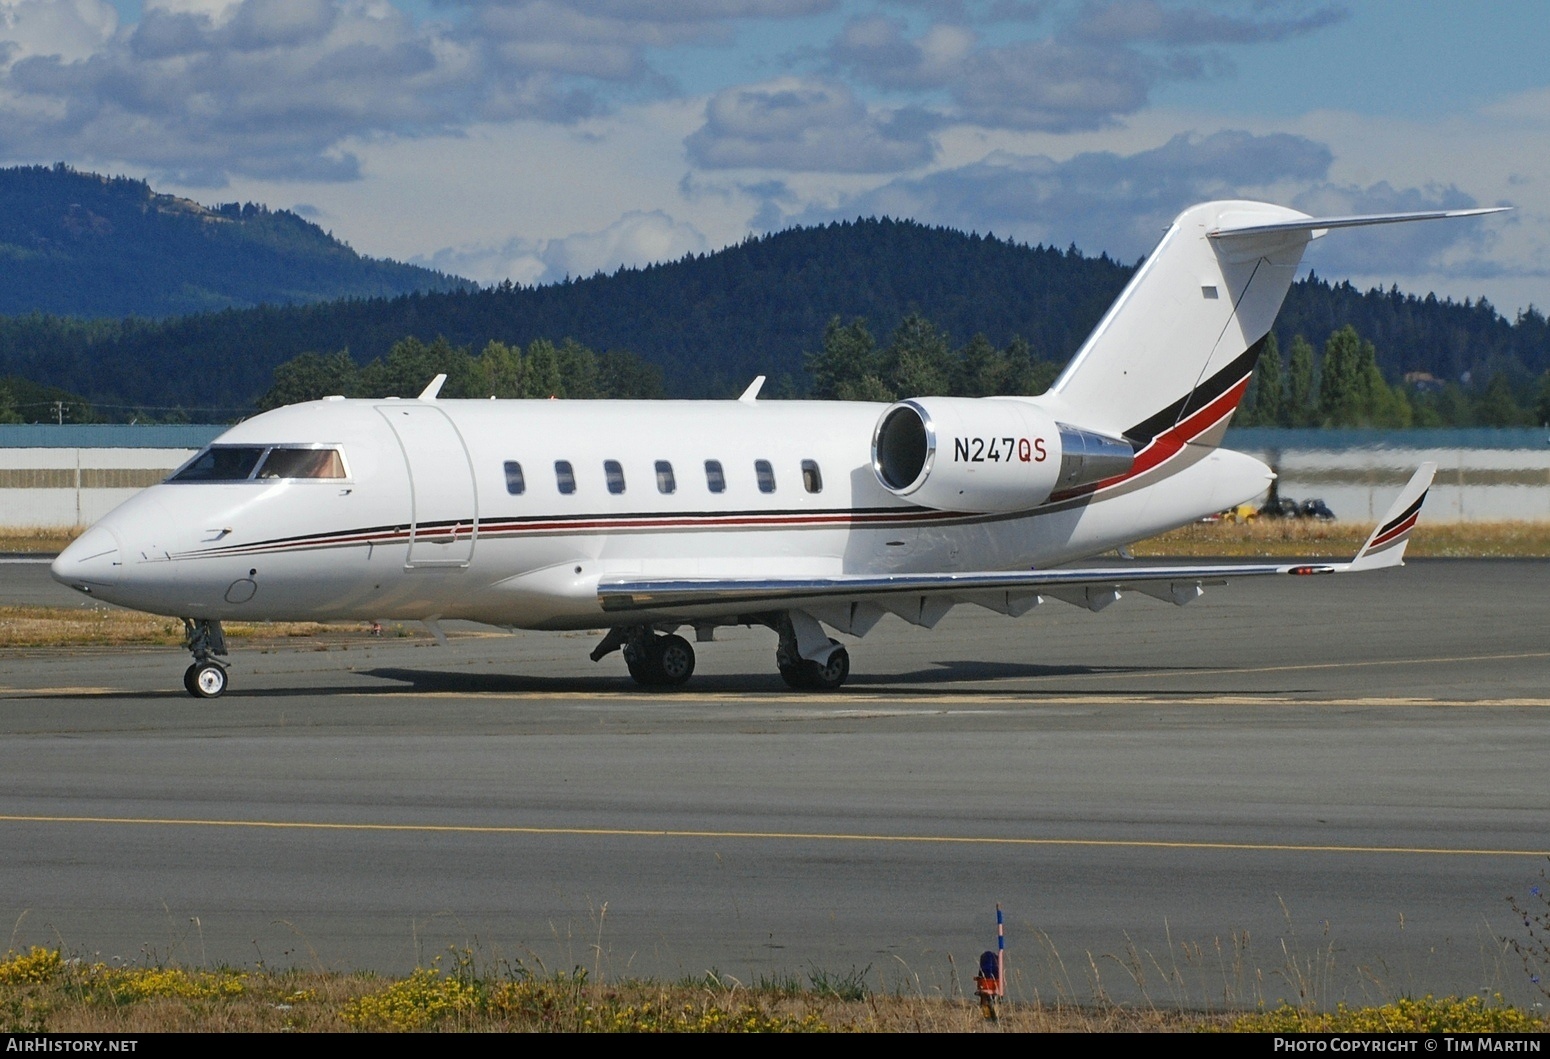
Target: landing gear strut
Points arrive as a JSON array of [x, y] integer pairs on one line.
[[206, 678], [654, 661]]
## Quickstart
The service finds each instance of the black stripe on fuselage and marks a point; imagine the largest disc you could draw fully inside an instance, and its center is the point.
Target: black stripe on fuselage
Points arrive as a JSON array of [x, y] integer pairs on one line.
[[1143, 432]]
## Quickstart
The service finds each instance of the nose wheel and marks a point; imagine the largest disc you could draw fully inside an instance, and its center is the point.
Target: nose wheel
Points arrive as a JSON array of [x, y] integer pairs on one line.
[[206, 678]]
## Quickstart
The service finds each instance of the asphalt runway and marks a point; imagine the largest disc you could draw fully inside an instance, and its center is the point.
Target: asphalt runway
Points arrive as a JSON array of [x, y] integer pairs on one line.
[[1298, 786]]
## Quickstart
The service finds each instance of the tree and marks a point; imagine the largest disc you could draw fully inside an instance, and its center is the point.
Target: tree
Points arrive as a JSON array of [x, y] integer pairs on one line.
[[8, 413], [310, 377], [498, 370], [623, 374], [578, 369], [542, 378], [411, 365], [982, 370], [848, 354], [1339, 379], [1265, 410], [918, 361], [1297, 409], [1497, 406]]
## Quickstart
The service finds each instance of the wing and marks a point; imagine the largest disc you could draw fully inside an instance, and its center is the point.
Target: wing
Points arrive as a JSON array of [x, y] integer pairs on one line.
[[855, 602]]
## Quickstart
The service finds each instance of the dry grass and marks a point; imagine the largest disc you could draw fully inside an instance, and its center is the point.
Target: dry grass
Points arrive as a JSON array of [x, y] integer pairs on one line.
[[38, 540], [46, 993], [40, 992], [1294, 538], [70, 627]]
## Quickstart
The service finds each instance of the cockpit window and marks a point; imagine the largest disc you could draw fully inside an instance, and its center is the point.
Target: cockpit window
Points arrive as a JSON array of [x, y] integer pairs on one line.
[[241, 463], [224, 463], [302, 463]]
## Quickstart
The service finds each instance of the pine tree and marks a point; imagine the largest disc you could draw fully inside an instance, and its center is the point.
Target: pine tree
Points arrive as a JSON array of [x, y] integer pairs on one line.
[[918, 358], [1340, 381], [1265, 411], [1297, 409], [849, 354]]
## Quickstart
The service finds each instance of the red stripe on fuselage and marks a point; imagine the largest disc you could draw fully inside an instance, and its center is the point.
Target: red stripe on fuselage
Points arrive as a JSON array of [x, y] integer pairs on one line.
[[1170, 442]]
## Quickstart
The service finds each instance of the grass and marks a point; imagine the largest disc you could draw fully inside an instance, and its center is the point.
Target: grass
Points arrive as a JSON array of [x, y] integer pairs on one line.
[[1295, 538], [34, 540], [42, 991], [82, 626]]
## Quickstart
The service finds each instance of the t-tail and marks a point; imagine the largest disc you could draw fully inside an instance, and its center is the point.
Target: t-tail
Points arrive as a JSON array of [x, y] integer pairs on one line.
[[1169, 362]]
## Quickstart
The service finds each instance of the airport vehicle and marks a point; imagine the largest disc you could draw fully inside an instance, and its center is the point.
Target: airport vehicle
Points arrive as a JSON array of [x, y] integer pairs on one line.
[[643, 518]]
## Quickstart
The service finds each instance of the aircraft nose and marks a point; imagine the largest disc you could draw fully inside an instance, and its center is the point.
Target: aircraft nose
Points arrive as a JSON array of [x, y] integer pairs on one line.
[[92, 560]]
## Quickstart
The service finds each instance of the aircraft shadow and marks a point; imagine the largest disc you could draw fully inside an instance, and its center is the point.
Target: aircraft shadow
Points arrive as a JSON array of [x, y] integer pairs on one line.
[[920, 681]]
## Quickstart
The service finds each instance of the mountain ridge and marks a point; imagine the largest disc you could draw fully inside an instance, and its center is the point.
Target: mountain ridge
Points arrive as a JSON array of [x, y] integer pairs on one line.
[[88, 245]]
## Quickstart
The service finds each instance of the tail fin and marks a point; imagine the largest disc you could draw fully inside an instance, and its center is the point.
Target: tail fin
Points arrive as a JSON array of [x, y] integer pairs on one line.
[[1173, 354]]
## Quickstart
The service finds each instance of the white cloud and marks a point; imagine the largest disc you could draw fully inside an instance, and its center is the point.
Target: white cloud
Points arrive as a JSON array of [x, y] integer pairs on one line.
[[1101, 200], [635, 239], [1193, 26], [71, 29], [807, 124], [199, 91]]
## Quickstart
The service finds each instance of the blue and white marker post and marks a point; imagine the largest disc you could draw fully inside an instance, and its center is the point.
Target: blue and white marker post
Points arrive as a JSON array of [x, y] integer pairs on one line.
[[990, 983]]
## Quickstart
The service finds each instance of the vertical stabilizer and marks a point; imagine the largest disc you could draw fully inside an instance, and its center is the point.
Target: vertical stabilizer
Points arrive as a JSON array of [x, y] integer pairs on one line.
[[1179, 343], [1170, 360]]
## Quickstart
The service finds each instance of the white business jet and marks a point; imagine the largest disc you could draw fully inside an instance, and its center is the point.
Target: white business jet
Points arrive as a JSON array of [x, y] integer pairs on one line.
[[647, 517]]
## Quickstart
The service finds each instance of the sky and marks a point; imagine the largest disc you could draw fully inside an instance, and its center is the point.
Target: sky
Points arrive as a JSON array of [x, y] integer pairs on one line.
[[537, 139]]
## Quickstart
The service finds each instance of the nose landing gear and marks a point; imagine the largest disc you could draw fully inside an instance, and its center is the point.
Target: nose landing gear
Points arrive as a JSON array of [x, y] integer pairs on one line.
[[206, 678]]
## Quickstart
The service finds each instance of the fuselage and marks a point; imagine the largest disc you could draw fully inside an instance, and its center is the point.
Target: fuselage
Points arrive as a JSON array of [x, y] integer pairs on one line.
[[509, 512]]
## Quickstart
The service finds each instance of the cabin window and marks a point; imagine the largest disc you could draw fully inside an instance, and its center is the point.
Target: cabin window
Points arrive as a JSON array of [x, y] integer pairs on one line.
[[765, 474], [221, 463], [516, 485], [666, 483], [615, 475], [302, 463], [715, 480], [564, 477], [812, 477]]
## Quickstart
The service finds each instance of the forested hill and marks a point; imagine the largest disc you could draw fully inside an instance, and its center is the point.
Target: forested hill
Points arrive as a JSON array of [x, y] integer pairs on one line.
[[80, 244], [711, 322]]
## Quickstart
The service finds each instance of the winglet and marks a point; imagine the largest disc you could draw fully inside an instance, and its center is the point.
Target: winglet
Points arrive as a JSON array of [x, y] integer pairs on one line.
[[1386, 546], [430, 392], [751, 394]]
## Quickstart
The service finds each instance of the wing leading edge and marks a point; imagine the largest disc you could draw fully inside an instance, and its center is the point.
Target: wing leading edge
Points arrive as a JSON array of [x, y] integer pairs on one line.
[[855, 602]]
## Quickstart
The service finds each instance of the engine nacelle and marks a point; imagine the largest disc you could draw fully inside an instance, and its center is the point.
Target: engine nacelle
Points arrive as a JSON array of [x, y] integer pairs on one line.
[[985, 455]]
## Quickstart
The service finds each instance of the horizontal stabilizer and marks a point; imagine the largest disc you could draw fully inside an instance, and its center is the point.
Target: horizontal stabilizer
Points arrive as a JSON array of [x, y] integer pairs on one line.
[[1319, 225]]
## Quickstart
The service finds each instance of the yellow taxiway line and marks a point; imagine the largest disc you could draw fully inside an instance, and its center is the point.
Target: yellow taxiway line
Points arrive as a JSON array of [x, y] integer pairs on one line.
[[782, 836]]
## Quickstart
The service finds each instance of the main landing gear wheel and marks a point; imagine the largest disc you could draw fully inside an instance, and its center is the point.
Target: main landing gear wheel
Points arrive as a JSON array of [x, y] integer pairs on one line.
[[660, 661], [804, 674], [205, 680]]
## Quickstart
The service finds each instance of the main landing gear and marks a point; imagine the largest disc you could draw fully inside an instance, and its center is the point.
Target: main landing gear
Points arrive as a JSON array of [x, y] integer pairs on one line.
[[654, 661], [806, 658], [206, 678]]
